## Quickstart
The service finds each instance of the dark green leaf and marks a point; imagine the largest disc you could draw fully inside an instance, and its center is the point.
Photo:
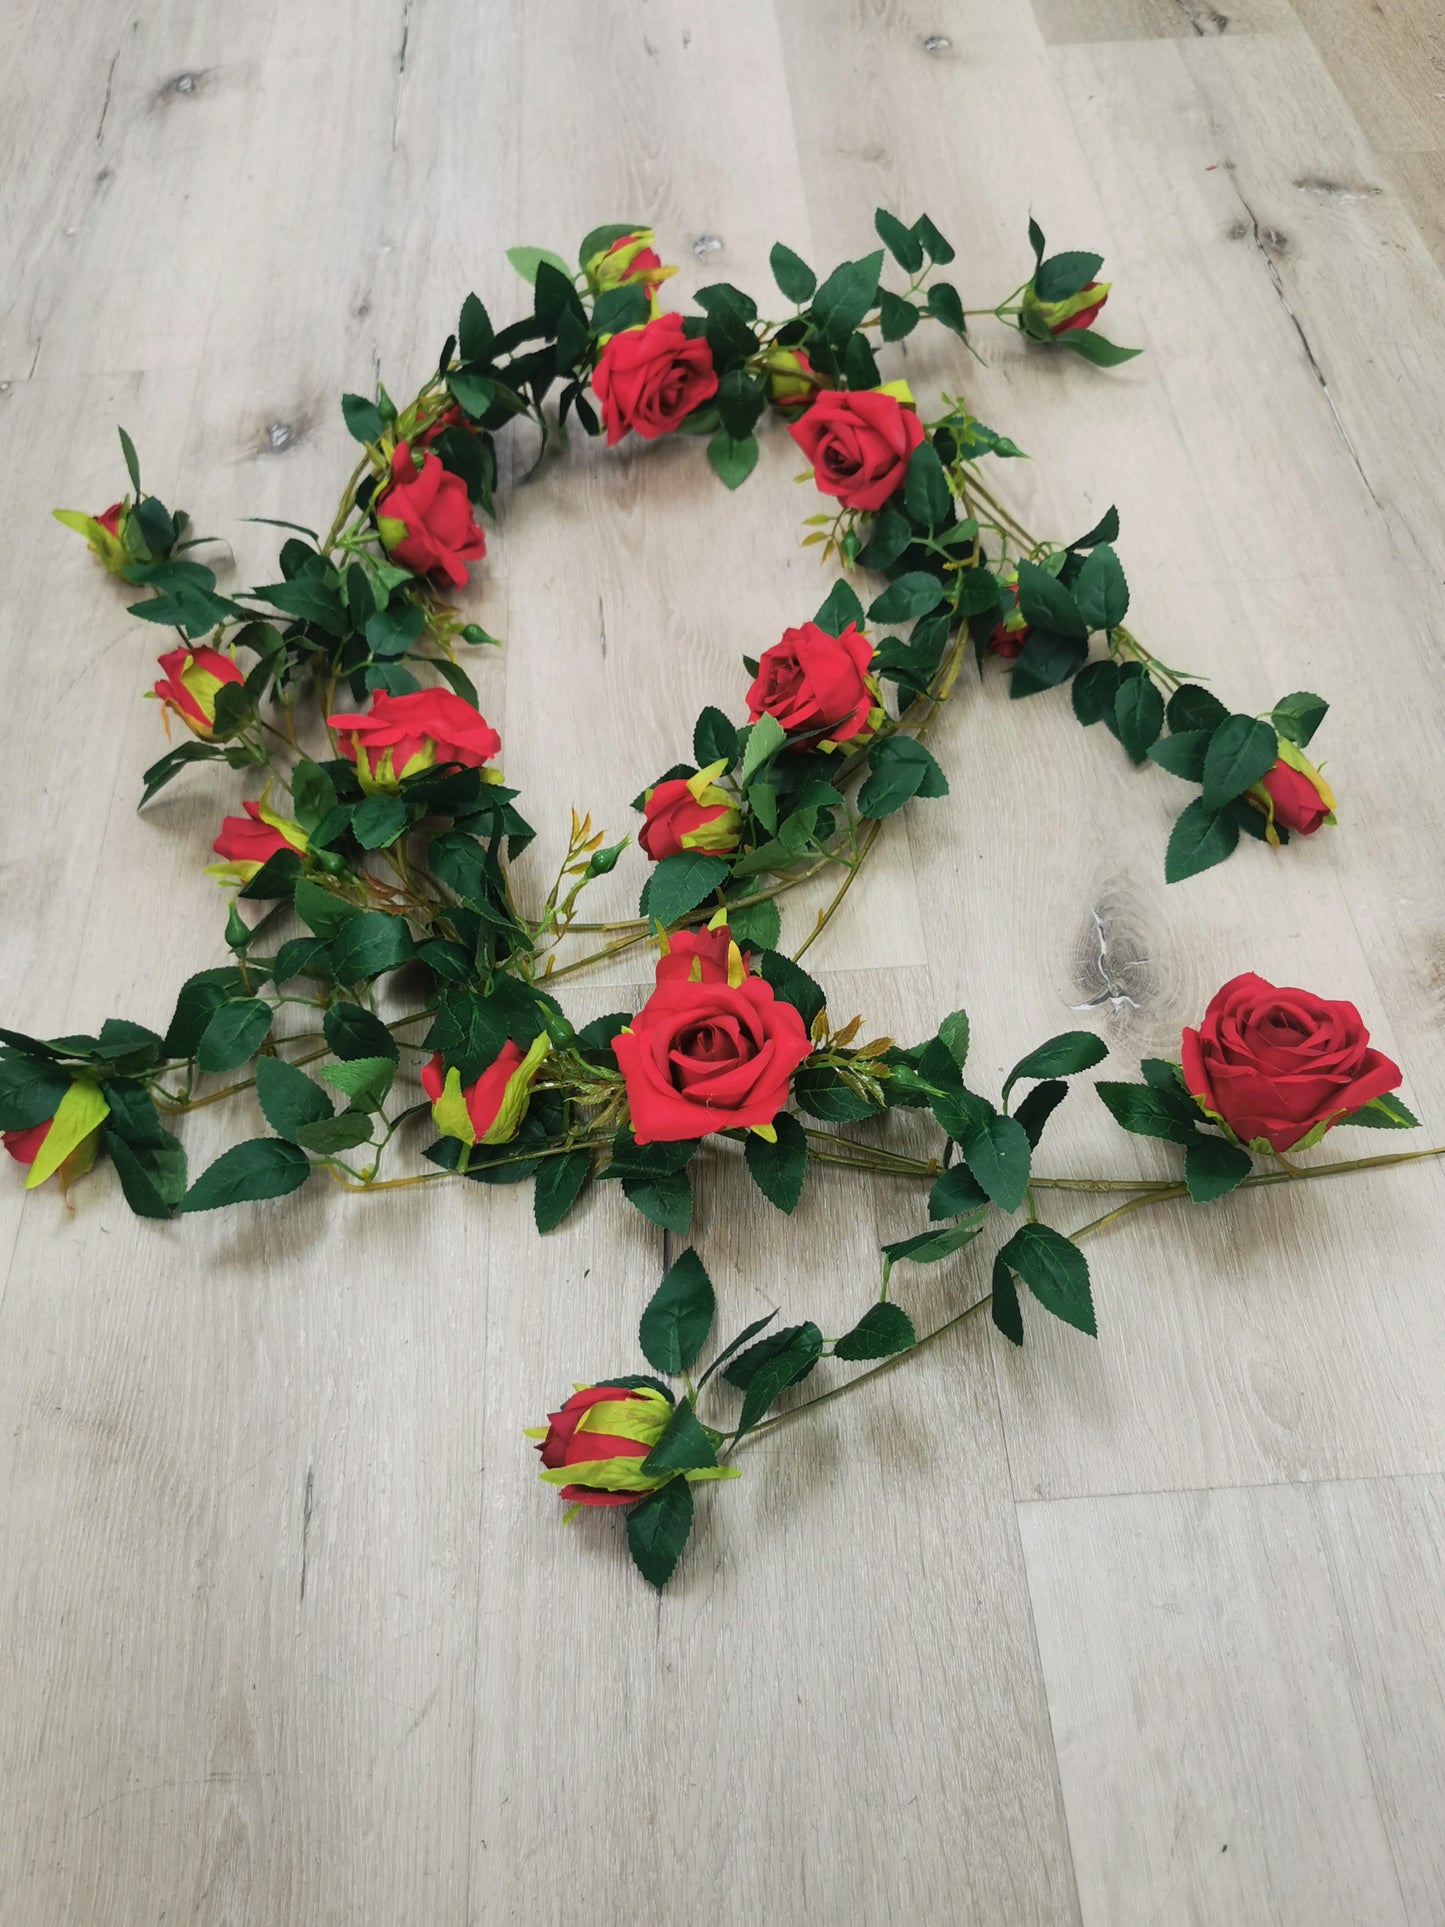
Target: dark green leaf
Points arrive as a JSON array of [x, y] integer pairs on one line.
[[171, 764], [329, 1136], [1383, 1114], [840, 607], [897, 318], [559, 1180], [1095, 688], [1063, 1056], [371, 942], [792, 983], [657, 1531], [1239, 753], [823, 1092], [683, 1447], [1297, 717], [1004, 1307], [1046, 603], [1098, 349], [901, 242], [288, 1097], [1213, 1166], [1149, 1112], [1138, 713], [939, 251], [365, 1081], [845, 297], [770, 1376], [379, 820], [679, 1315], [1191, 707], [664, 1200], [30, 1089], [732, 461], [901, 767], [792, 274], [680, 883], [1100, 590], [132, 461], [914, 594], [234, 1034], [995, 1148], [925, 492], [953, 1035], [1182, 754], [945, 306], [355, 1033], [262, 1167], [1106, 529], [1038, 1107], [714, 739], [778, 1169], [1063, 275], [1055, 1271], [955, 1193], [363, 420], [1201, 837], [1046, 660], [928, 1247], [882, 1331], [152, 1173]]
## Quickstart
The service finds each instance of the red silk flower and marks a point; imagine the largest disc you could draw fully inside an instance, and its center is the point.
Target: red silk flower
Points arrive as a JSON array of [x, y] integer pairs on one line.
[[425, 518]]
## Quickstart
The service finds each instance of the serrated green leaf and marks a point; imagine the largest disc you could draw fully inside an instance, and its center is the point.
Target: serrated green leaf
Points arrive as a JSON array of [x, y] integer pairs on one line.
[[778, 1169], [679, 1315], [234, 1034], [657, 1531], [1063, 1056], [262, 1167], [883, 1331], [1201, 837], [1055, 1271], [1212, 1166], [559, 1182], [288, 1098], [1241, 750]]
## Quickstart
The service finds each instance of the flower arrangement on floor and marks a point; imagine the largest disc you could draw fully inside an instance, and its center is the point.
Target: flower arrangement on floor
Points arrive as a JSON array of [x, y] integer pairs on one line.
[[380, 850]]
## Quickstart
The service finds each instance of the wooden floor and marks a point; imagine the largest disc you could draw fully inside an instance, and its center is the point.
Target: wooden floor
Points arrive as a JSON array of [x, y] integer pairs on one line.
[[1151, 1630]]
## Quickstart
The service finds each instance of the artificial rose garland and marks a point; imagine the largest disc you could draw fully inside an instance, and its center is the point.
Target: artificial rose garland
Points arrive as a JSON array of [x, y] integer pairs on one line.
[[395, 851]]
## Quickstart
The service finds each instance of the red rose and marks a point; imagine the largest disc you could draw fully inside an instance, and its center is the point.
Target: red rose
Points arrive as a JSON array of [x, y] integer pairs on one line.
[[449, 418], [193, 679], [1009, 636], [1280, 1066], [859, 445], [109, 520], [400, 735], [649, 377], [1086, 317], [815, 684], [1300, 795], [425, 518], [578, 1436], [245, 842], [483, 1096], [66, 1141], [699, 956], [689, 813], [708, 1056]]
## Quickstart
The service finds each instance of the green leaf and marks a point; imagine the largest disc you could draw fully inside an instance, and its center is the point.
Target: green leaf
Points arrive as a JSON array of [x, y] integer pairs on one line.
[[527, 260], [1096, 348], [928, 1247], [1182, 754], [657, 1531], [901, 768], [683, 1447], [925, 492], [395, 629], [474, 331], [955, 1193], [1383, 1114], [778, 1170], [663, 1199], [152, 1174], [1191, 707], [732, 461], [1297, 717], [201, 996], [370, 943], [310, 599], [1150, 1112], [757, 923], [1063, 275], [329, 1136], [172, 763], [792, 983], [845, 297], [1100, 590], [1038, 1107], [897, 318], [764, 739], [1106, 529], [839, 607], [953, 1035], [234, 1034], [792, 274], [911, 595], [770, 1367], [1212, 1166], [320, 911], [679, 1315], [379, 820], [288, 1098], [355, 1033], [680, 883], [901, 242], [364, 1080], [714, 740], [1062, 1056], [1046, 604], [1138, 712], [883, 1331], [1239, 753], [132, 460], [939, 251], [262, 1167], [1095, 688], [559, 1181], [363, 419], [30, 1089], [1201, 837], [823, 1091], [1004, 1305], [995, 1148], [945, 306], [1055, 1271]]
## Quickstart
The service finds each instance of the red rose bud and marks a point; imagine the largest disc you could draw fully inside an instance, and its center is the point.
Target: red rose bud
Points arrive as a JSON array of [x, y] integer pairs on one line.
[[1277, 1068], [630, 258], [793, 382], [1058, 317], [449, 418], [103, 532], [193, 679], [1010, 635], [818, 686], [702, 956], [245, 842], [399, 735], [709, 1056], [1293, 794], [66, 1142], [859, 443], [490, 1109], [650, 377], [690, 813], [425, 519], [595, 1446]]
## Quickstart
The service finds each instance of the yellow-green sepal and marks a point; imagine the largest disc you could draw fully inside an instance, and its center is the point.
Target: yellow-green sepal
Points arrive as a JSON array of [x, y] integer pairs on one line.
[[79, 1113]]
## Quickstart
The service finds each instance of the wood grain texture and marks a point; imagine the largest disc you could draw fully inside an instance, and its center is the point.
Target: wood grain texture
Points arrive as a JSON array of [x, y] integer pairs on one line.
[[295, 1637]]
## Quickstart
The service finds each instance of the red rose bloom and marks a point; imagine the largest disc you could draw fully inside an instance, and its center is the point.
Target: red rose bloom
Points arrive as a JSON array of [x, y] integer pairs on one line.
[[250, 839], [570, 1441], [708, 1056], [689, 813], [1278, 1065], [483, 1096], [815, 684], [649, 377], [425, 519], [109, 520], [399, 735], [1298, 802], [192, 681], [859, 445]]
